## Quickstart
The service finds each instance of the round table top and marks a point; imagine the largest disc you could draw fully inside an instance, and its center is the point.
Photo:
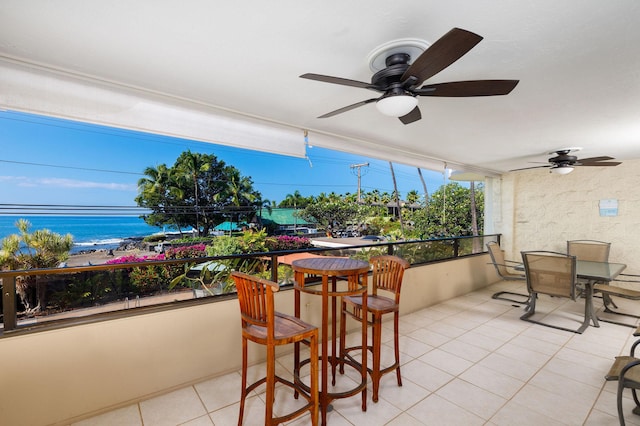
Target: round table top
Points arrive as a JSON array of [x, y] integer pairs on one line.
[[330, 266]]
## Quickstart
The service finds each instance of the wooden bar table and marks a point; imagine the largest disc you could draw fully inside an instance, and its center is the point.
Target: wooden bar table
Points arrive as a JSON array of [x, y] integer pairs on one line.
[[330, 269]]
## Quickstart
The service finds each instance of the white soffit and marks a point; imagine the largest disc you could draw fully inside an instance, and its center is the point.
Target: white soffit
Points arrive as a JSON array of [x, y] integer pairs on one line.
[[390, 153], [42, 91]]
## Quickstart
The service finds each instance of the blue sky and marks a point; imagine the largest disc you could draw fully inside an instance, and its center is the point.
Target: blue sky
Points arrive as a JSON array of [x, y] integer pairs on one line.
[[50, 161]]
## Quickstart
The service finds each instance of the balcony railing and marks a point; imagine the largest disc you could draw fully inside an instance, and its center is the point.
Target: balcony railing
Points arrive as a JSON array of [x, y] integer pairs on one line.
[[73, 295]]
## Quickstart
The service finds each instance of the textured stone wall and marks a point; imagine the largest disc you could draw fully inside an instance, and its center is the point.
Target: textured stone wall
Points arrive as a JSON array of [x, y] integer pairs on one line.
[[541, 210]]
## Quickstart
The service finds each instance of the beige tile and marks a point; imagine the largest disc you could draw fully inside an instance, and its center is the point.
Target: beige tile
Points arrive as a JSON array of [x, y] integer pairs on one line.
[[435, 410], [127, 416], [424, 375], [492, 381], [446, 361], [412, 347], [477, 339], [553, 405], [405, 419], [200, 421], [429, 337], [536, 345], [447, 330], [254, 412], [173, 408], [472, 398], [523, 354], [220, 392], [403, 396], [464, 350], [377, 414], [523, 415], [509, 366], [566, 387]]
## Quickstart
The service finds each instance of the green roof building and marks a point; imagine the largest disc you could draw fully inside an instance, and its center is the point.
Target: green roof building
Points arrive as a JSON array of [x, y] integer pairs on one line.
[[283, 220]]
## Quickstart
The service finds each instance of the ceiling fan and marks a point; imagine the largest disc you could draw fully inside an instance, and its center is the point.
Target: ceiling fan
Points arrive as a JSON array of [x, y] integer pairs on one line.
[[399, 81], [563, 163]]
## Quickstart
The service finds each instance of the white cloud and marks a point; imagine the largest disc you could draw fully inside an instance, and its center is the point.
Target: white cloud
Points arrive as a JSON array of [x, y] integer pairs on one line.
[[66, 183]]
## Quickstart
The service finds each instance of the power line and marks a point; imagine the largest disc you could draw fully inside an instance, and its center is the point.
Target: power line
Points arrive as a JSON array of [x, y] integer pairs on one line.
[[25, 163]]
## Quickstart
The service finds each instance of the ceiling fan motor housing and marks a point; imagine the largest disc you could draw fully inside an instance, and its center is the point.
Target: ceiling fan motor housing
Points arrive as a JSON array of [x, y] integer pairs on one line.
[[397, 64], [563, 159]]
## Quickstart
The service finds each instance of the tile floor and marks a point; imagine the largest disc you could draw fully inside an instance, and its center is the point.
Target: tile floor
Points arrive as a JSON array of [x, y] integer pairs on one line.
[[467, 361]]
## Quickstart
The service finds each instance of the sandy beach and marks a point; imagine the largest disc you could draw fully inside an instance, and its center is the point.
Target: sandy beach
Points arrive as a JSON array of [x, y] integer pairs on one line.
[[99, 257]]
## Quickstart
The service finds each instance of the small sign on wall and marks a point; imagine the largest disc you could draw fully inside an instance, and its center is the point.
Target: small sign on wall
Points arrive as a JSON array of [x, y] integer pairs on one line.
[[609, 207]]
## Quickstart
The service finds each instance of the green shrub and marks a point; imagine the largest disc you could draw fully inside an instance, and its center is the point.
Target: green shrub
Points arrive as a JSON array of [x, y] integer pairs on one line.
[[154, 238]]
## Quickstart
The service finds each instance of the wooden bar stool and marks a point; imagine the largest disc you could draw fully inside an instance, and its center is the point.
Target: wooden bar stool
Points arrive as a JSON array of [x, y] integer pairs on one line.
[[388, 272], [263, 325]]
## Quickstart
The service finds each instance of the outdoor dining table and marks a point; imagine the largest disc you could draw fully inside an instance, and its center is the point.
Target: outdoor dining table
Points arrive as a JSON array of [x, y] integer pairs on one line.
[[592, 272], [330, 269]]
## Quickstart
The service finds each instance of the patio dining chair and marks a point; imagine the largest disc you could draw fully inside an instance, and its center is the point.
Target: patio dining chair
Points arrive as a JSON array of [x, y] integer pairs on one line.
[[626, 370], [590, 250], [504, 268], [622, 287], [553, 274], [261, 324]]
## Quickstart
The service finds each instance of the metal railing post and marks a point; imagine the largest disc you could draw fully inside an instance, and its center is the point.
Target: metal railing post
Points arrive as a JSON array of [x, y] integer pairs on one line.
[[9, 313], [274, 268]]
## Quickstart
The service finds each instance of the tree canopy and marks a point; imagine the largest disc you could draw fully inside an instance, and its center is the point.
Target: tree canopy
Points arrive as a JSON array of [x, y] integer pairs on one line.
[[449, 212], [27, 250], [198, 191]]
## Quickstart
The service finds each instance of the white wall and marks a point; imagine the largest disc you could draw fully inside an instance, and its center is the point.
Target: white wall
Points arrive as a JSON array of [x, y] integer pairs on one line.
[[541, 210]]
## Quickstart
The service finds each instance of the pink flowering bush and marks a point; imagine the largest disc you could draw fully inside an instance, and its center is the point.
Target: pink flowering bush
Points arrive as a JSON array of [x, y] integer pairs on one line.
[[186, 252], [286, 242], [133, 258], [154, 278]]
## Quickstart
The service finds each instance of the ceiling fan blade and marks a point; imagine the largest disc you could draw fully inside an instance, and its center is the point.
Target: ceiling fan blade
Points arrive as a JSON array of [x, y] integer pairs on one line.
[[593, 159], [414, 115], [528, 168], [348, 108], [342, 81], [598, 163], [444, 52], [468, 88]]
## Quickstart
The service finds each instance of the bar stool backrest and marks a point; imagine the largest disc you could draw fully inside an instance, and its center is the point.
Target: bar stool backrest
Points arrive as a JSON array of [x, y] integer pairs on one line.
[[388, 272], [256, 301]]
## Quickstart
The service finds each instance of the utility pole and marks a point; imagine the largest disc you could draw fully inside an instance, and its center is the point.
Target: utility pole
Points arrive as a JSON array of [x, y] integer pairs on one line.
[[358, 167]]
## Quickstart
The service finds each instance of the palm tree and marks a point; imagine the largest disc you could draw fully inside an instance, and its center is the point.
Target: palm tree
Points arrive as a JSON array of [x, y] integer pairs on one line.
[[397, 197], [156, 188], [295, 200], [40, 249], [192, 166], [264, 204], [412, 197], [240, 191], [424, 186]]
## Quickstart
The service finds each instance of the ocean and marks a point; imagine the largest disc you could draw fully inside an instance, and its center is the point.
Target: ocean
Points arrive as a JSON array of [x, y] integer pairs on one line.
[[89, 232]]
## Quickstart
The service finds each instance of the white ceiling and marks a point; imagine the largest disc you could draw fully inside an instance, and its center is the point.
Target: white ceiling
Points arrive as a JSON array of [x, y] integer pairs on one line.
[[578, 63]]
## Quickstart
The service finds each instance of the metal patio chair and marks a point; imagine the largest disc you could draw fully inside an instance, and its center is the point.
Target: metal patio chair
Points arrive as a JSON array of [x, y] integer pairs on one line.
[[626, 371], [553, 274], [504, 268]]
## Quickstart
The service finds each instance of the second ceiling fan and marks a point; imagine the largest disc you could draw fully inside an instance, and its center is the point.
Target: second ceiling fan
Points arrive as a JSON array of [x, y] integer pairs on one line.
[[399, 82]]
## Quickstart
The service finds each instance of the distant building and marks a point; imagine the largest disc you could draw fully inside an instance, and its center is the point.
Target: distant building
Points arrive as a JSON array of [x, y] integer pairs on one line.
[[230, 227], [284, 221]]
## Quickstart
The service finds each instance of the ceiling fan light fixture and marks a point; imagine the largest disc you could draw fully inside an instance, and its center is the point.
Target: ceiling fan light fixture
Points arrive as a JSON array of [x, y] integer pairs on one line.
[[397, 105], [562, 170]]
